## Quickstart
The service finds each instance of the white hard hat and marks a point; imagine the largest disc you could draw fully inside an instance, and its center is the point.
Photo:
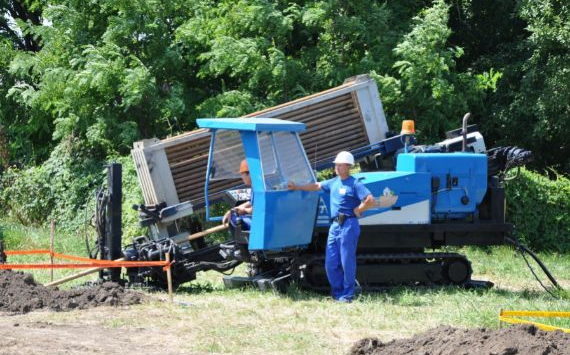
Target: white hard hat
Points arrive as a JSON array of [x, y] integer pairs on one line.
[[344, 158]]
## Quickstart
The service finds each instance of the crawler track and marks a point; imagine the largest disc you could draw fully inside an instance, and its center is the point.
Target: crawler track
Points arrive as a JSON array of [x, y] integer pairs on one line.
[[381, 271]]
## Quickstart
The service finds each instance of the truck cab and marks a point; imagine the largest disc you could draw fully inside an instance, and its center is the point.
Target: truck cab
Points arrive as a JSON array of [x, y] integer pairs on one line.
[[275, 156]]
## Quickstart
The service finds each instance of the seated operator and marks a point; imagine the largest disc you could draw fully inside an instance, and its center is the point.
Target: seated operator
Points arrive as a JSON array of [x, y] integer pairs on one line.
[[245, 209]]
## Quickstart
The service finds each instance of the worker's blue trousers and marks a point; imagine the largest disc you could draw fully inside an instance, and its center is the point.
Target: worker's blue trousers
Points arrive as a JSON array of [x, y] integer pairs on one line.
[[340, 260]]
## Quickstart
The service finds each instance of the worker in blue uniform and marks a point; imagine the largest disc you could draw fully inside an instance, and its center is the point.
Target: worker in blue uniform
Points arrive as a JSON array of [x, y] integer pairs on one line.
[[349, 199], [245, 209]]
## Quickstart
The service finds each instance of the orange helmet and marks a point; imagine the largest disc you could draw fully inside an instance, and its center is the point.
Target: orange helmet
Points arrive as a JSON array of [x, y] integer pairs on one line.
[[243, 168]]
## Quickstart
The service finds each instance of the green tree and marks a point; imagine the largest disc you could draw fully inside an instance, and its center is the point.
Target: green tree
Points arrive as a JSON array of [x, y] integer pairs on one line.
[[539, 112], [24, 133], [527, 42], [424, 85], [80, 81]]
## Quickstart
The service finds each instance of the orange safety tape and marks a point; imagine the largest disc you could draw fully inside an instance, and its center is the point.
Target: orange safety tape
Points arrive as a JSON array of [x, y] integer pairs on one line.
[[168, 265], [26, 252], [57, 255], [61, 256], [108, 264], [88, 263]]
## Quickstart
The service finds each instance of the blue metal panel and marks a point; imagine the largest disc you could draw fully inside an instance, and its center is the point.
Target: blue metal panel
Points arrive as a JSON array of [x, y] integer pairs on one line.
[[285, 219], [251, 124], [460, 175], [280, 218], [392, 191], [409, 188]]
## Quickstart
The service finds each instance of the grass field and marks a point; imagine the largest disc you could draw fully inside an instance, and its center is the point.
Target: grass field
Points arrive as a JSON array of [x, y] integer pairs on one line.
[[208, 318]]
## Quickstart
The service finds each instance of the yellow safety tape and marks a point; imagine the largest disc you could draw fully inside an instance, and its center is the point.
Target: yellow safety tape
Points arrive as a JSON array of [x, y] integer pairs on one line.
[[508, 317], [542, 314]]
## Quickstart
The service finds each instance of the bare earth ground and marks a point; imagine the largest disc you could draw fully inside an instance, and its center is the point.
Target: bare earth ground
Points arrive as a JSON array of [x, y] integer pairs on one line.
[[20, 336], [20, 294], [109, 320], [443, 340], [84, 334]]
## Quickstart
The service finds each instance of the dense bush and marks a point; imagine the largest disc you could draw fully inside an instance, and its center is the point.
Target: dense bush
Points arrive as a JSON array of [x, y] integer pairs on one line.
[[540, 209], [80, 81], [132, 195], [63, 189], [53, 190]]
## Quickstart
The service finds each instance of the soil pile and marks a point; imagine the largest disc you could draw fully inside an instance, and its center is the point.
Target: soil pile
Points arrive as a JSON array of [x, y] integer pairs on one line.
[[520, 339], [19, 293]]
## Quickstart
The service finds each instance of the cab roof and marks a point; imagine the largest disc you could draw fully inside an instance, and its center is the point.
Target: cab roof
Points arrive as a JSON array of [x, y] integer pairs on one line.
[[251, 124]]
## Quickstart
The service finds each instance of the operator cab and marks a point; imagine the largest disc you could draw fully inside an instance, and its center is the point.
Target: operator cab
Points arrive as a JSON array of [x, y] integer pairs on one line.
[[275, 156]]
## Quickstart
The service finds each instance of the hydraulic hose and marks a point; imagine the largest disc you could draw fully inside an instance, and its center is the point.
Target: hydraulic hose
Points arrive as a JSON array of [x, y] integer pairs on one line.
[[521, 248], [220, 267]]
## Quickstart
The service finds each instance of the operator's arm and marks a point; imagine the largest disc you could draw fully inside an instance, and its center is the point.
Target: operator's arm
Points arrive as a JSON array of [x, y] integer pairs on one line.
[[244, 208], [366, 204], [315, 186]]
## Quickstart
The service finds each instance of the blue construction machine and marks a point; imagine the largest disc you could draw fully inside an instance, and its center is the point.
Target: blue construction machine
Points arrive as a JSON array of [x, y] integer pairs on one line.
[[433, 198], [427, 197]]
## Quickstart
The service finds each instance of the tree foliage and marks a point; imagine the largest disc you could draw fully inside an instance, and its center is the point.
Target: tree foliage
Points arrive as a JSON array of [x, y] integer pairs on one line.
[[528, 42], [81, 80], [425, 86]]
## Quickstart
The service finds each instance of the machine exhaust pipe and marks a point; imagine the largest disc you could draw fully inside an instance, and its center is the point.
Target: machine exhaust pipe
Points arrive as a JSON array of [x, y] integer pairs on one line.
[[464, 131]]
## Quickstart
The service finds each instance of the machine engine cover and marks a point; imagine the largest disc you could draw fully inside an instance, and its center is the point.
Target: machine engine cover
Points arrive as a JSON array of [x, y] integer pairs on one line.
[[459, 181]]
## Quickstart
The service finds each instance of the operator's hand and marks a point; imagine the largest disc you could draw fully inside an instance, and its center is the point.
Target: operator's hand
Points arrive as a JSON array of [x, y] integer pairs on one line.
[[240, 210], [226, 218], [291, 185], [356, 212]]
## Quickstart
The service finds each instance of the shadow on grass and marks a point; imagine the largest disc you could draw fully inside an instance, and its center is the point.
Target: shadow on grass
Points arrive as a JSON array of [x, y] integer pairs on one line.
[[198, 288], [296, 293], [412, 295], [534, 294]]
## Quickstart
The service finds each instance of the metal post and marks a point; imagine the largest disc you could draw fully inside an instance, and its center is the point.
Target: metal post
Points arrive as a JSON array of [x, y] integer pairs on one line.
[[51, 247], [114, 213], [464, 131], [3, 257]]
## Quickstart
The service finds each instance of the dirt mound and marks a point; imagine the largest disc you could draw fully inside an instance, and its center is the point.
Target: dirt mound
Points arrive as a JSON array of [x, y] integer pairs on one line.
[[521, 339], [19, 293]]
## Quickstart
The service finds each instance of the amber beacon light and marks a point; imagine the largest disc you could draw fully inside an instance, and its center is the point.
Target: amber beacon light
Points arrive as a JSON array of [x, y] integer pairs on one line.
[[408, 127]]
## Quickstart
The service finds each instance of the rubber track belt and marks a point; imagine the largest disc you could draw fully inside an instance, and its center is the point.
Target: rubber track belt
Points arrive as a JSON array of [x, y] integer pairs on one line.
[[361, 259]]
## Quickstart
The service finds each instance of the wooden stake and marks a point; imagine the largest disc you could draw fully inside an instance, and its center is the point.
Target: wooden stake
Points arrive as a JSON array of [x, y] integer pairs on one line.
[[51, 242], [169, 278], [78, 275], [207, 231]]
